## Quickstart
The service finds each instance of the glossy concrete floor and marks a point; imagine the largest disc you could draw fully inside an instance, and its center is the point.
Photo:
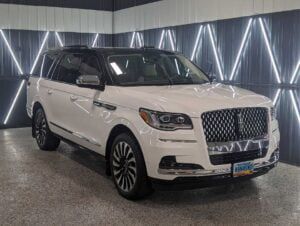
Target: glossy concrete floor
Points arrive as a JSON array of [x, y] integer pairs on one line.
[[70, 187]]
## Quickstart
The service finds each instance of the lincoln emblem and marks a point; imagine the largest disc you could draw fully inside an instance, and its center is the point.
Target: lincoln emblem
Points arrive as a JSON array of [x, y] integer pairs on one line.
[[240, 122]]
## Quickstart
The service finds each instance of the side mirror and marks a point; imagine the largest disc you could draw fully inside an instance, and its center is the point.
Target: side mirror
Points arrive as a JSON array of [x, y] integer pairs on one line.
[[90, 81], [212, 78]]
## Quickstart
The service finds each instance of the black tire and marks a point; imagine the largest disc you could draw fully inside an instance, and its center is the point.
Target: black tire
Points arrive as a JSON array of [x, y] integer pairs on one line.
[[128, 168], [44, 137]]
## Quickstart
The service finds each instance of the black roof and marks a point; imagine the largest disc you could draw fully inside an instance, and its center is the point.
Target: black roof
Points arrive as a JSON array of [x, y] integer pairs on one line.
[[106, 50]]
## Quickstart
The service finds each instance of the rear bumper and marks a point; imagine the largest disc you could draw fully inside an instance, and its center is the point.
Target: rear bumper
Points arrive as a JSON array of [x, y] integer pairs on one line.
[[187, 183]]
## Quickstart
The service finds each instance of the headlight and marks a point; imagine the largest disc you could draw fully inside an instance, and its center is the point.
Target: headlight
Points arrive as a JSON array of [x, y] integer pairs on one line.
[[166, 121], [273, 113]]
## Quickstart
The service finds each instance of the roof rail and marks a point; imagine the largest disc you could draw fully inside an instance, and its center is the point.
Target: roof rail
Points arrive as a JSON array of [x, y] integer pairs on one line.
[[77, 46], [148, 47]]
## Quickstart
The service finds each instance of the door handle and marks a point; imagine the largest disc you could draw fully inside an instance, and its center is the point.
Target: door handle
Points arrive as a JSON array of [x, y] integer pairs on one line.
[[106, 106], [73, 98], [50, 91]]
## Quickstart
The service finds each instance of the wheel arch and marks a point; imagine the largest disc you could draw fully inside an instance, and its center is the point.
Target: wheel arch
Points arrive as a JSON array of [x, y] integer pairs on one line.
[[116, 130]]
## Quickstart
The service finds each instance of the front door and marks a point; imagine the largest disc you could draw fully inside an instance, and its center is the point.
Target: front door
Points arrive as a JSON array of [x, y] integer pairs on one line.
[[76, 111]]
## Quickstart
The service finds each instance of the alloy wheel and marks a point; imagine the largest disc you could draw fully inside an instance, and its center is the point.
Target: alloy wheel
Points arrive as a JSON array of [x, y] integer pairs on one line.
[[124, 166], [40, 128]]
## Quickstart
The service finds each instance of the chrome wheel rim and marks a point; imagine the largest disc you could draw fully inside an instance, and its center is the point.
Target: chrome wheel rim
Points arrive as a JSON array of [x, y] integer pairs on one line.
[[40, 129], [124, 166]]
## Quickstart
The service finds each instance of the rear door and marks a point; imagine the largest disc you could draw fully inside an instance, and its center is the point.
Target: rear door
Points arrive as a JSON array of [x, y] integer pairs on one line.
[[60, 93], [39, 83]]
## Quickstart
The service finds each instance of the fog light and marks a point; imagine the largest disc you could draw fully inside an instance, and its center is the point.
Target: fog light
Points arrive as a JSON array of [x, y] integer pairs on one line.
[[275, 155], [169, 162]]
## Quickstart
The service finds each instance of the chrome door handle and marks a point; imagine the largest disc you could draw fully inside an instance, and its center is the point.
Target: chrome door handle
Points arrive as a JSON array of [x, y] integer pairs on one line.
[[103, 105], [73, 98], [50, 91]]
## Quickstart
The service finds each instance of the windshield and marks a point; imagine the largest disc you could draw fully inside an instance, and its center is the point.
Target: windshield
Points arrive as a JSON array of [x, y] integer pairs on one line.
[[148, 68]]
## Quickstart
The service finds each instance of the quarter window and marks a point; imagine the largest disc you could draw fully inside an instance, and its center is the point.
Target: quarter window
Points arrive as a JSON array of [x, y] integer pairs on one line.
[[47, 64], [37, 69], [44, 65]]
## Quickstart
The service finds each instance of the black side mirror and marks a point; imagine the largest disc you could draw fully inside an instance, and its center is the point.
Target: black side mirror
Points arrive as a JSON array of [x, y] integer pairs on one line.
[[90, 81], [212, 78]]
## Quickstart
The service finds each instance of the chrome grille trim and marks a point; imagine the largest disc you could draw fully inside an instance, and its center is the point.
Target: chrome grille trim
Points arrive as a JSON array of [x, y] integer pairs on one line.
[[237, 146]]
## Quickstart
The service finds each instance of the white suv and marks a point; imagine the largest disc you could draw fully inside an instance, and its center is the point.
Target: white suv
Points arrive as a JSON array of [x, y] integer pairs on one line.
[[158, 120]]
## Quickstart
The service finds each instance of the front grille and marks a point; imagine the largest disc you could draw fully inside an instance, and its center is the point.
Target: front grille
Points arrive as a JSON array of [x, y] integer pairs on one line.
[[237, 157], [235, 124]]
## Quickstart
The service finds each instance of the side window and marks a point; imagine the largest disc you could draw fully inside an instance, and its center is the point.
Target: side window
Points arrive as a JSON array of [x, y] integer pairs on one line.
[[68, 69], [37, 70], [90, 66], [47, 64]]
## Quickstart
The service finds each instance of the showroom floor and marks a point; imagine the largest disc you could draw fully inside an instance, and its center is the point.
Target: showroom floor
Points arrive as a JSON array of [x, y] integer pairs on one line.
[[70, 186]]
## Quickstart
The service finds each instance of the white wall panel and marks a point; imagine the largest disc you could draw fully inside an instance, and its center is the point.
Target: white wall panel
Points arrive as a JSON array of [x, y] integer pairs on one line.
[[178, 12], [50, 21], [92, 20], [23, 17], [31, 17], [84, 20], [59, 16]]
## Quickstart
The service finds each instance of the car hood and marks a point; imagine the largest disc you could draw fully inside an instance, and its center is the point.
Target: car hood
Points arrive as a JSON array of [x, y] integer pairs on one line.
[[189, 99]]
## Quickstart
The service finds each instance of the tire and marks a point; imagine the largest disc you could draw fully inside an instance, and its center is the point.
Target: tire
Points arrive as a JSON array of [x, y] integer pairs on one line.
[[44, 137], [128, 168]]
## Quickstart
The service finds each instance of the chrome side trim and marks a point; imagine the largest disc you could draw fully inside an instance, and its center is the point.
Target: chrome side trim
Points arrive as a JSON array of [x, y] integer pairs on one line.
[[62, 128], [177, 141], [198, 172], [78, 135]]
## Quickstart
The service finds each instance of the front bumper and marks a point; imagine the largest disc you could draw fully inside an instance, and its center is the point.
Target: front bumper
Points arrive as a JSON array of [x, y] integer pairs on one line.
[[209, 180], [219, 172], [189, 148]]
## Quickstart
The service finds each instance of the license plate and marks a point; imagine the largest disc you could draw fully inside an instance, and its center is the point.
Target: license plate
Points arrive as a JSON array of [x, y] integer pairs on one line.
[[243, 169]]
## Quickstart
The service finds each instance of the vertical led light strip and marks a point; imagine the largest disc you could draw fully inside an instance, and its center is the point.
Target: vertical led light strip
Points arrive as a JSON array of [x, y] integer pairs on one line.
[[293, 79], [161, 38], [140, 42], [23, 82], [196, 43], [20, 71], [132, 39], [241, 49], [59, 39], [39, 52], [95, 40], [171, 40], [139, 39], [215, 52], [275, 101], [11, 52], [262, 26], [14, 102], [295, 105]]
